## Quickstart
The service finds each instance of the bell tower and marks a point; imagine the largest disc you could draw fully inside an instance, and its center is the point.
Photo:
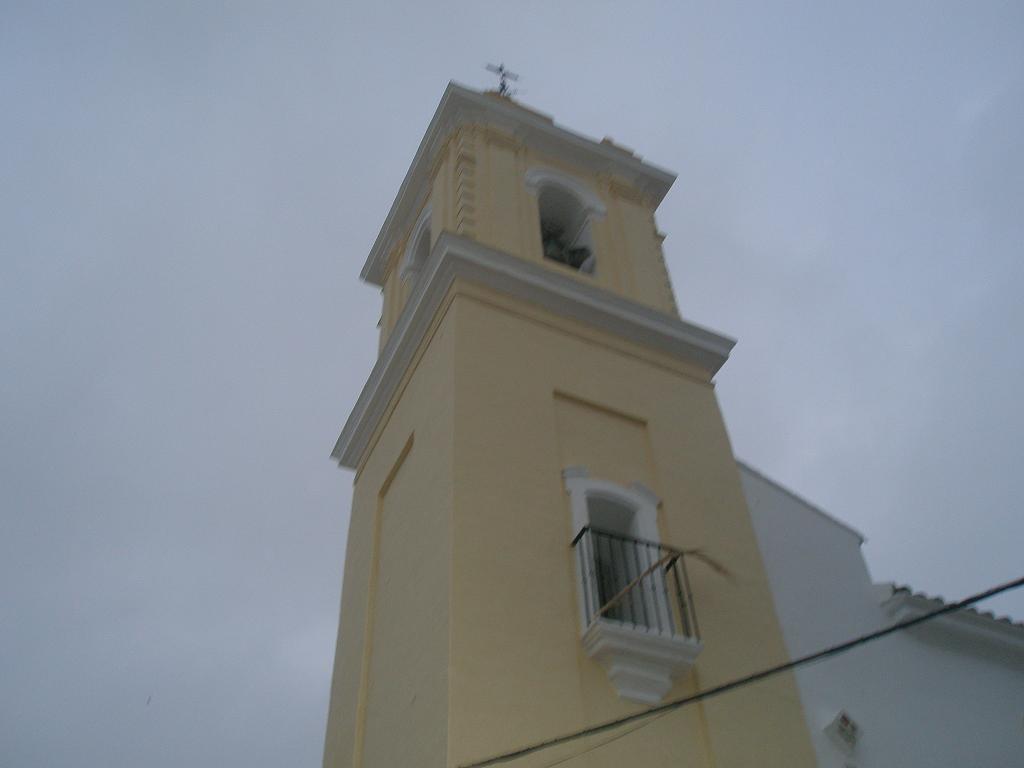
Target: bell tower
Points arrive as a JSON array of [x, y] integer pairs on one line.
[[537, 452]]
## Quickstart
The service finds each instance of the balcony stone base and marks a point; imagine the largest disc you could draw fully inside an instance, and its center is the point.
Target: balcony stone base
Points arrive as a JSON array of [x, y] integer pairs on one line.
[[640, 663]]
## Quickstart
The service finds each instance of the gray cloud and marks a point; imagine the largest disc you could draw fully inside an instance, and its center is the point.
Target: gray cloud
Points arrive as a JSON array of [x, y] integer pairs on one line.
[[187, 193]]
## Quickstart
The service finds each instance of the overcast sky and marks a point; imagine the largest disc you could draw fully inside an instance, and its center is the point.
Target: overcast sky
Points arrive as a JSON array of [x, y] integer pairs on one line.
[[188, 192]]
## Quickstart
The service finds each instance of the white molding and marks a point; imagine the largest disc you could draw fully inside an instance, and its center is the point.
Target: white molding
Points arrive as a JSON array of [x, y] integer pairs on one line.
[[645, 493], [539, 177], [638, 497], [462, 106], [458, 257], [409, 266], [574, 472], [641, 665]]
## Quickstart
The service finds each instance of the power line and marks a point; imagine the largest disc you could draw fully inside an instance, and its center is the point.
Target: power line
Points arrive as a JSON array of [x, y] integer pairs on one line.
[[609, 740], [756, 677]]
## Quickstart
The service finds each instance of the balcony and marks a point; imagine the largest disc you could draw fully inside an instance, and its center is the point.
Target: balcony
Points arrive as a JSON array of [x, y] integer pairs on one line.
[[637, 611]]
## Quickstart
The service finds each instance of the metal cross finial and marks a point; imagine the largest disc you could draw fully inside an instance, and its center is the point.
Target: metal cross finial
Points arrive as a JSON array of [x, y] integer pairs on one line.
[[504, 76]]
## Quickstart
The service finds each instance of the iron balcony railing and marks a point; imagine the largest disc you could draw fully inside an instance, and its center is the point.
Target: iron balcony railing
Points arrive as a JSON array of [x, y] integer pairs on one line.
[[638, 583]]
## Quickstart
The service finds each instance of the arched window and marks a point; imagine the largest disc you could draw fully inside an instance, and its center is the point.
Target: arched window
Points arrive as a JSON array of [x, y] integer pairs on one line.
[[566, 209], [417, 250]]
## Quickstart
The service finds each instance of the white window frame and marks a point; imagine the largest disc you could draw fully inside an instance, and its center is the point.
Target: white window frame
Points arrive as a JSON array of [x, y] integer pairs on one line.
[[637, 497], [641, 663], [539, 178], [410, 265]]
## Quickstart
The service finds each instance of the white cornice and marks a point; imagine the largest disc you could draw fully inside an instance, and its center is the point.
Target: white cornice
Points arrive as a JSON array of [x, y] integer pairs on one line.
[[458, 257], [902, 605], [462, 106]]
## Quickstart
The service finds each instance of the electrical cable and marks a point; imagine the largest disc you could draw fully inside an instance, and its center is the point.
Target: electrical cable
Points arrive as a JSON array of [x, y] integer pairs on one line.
[[732, 684], [609, 740]]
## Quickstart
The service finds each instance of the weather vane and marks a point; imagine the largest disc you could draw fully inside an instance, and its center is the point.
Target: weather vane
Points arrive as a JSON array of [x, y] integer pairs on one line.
[[504, 76]]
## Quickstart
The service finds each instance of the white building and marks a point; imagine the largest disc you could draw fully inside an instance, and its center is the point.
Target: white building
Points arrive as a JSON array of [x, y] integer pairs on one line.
[[949, 692]]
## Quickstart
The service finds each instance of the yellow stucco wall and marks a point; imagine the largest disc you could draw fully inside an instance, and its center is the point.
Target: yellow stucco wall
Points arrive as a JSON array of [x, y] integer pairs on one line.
[[535, 394], [459, 553], [389, 696]]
